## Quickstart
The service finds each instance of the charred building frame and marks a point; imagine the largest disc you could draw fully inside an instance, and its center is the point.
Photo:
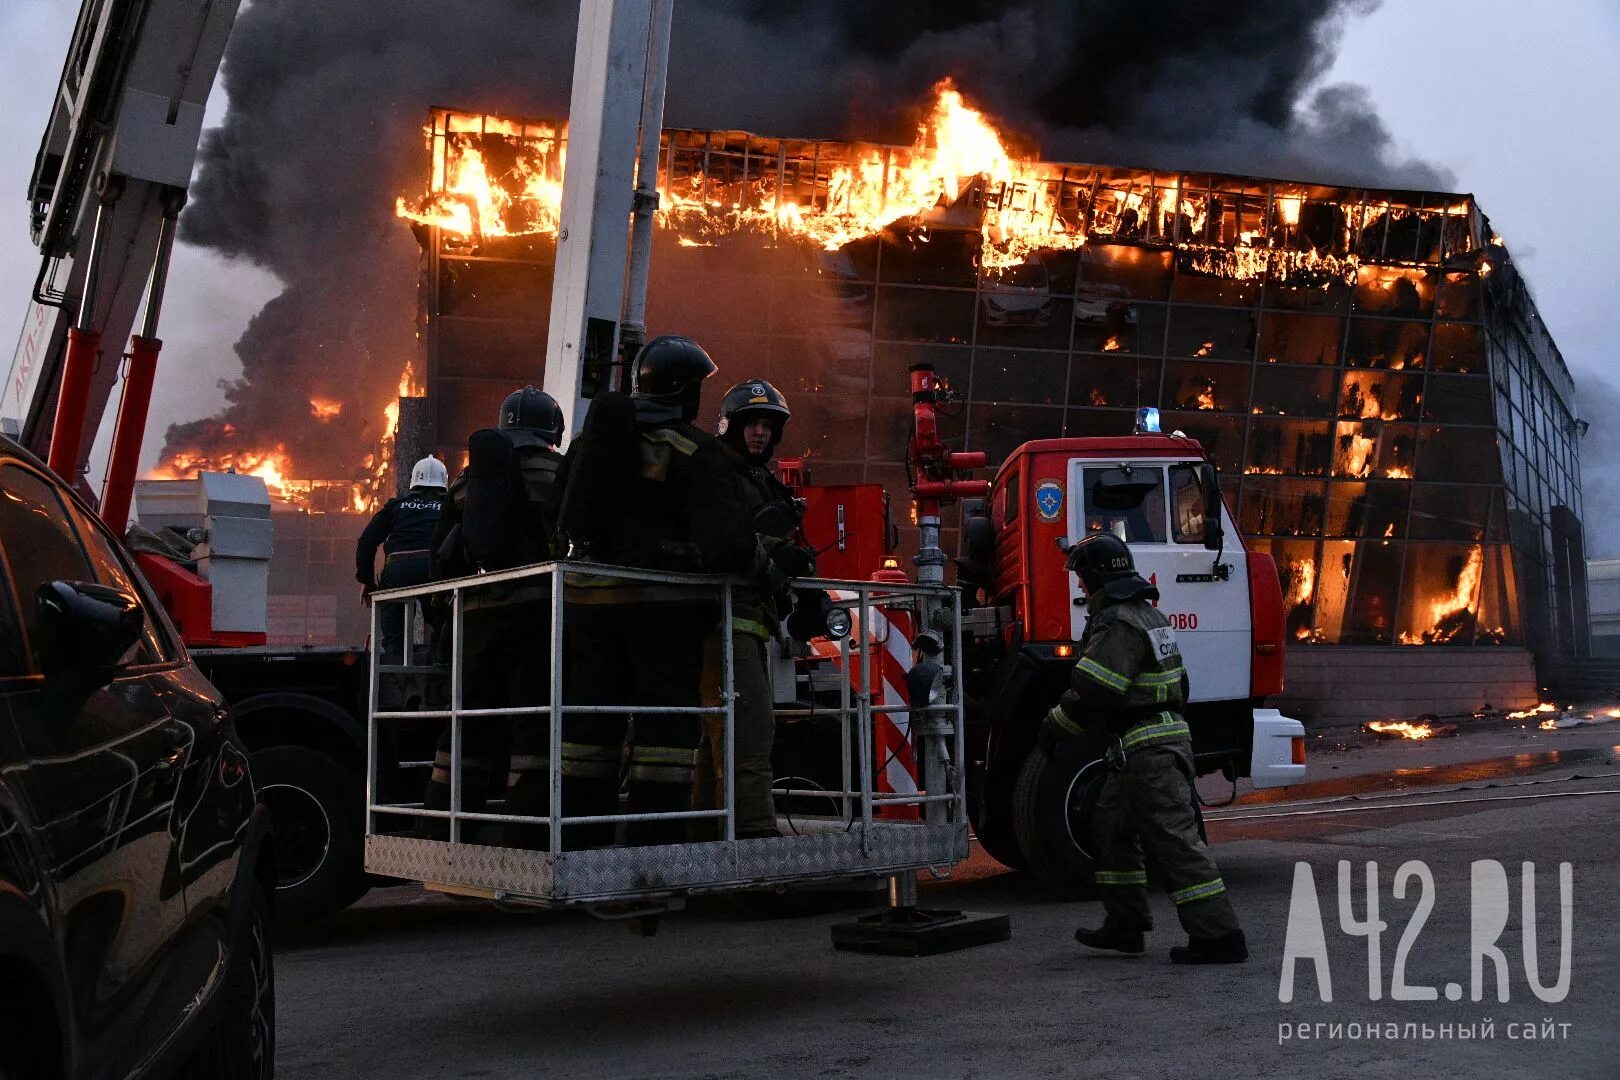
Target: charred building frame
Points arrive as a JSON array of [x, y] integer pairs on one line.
[[1367, 367]]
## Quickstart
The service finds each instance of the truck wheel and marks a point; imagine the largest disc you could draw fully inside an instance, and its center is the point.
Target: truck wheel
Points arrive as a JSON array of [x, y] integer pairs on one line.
[[316, 804], [1052, 808], [998, 837]]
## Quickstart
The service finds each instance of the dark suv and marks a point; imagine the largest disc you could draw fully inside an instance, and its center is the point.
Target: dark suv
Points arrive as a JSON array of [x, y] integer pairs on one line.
[[135, 862]]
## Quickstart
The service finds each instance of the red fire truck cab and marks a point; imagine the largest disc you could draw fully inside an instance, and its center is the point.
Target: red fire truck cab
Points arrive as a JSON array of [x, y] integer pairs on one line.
[[1161, 495]]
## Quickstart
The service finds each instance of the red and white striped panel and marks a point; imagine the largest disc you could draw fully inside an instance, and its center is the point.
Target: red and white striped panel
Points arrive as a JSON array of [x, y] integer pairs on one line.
[[890, 644]]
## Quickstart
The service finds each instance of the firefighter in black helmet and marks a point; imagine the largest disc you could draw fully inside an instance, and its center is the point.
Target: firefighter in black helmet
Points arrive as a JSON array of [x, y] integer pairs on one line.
[[630, 479], [502, 513], [732, 522], [1130, 683]]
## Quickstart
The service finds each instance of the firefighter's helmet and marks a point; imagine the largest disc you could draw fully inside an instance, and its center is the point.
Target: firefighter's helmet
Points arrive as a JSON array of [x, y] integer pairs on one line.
[[666, 379], [429, 472], [1099, 558], [749, 399], [529, 412]]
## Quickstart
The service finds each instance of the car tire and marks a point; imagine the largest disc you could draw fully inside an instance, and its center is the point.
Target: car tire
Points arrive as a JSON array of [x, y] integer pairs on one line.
[[1052, 811], [317, 809], [241, 1044]]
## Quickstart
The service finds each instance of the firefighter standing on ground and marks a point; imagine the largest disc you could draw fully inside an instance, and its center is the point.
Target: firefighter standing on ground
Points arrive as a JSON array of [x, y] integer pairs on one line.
[[629, 485], [403, 528], [1131, 681], [501, 513], [733, 484]]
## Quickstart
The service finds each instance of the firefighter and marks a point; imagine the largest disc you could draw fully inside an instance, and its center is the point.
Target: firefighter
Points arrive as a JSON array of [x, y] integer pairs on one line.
[[403, 528], [1130, 682], [734, 485], [629, 482], [502, 513]]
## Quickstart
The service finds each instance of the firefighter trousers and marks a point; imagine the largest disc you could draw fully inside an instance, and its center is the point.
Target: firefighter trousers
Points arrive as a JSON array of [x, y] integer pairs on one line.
[[505, 663], [400, 572], [646, 653], [1146, 802], [754, 727]]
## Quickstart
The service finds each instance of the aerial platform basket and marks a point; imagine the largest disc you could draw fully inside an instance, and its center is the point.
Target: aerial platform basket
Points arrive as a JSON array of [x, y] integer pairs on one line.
[[853, 822]]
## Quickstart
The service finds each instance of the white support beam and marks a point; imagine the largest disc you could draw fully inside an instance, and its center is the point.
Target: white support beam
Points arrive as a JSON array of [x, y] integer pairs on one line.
[[604, 115]]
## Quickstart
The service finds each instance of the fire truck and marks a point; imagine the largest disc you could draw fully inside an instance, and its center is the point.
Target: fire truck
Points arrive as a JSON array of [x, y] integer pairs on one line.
[[1025, 614]]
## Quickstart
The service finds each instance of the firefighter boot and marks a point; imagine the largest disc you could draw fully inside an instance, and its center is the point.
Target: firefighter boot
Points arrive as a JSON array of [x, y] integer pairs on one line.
[[1112, 937], [1229, 948]]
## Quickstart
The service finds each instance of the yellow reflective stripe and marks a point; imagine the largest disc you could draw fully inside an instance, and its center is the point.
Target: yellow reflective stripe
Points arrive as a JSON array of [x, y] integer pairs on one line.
[[664, 774], [663, 755], [751, 627], [590, 751], [1120, 877], [598, 769], [1202, 891], [1062, 720], [1168, 677], [671, 437], [1165, 731], [1097, 673]]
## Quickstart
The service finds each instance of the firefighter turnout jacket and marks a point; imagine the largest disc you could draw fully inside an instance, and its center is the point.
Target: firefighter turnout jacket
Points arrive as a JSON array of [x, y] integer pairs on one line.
[[1130, 676], [403, 528], [728, 491]]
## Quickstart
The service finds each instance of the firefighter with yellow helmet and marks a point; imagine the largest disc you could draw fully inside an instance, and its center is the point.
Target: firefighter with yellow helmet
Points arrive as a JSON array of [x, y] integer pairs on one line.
[[742, 518], [1131, 682]]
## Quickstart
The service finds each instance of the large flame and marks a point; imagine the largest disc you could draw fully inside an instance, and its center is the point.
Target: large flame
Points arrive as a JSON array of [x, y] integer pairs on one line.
[[956, 149], [1450, 614], [276, 465]]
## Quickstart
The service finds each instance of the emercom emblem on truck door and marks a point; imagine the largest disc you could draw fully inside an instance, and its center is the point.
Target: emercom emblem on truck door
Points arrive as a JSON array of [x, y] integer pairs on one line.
[[1049, 500]]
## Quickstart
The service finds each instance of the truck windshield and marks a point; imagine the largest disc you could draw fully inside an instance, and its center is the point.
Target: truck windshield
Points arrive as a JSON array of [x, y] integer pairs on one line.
[[1141, 524]]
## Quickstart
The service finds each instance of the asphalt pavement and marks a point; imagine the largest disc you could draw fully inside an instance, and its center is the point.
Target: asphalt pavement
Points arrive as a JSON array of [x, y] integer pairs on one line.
[[412, 984]]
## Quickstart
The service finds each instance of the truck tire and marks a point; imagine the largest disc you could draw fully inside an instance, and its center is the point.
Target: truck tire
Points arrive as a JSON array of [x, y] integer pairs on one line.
[[240, 1043], [317, 808], [1052, 807], [999, 838]]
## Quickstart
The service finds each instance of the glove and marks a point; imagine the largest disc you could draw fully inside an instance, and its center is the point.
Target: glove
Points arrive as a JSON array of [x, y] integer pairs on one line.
[[1059, 723], [793, 561]]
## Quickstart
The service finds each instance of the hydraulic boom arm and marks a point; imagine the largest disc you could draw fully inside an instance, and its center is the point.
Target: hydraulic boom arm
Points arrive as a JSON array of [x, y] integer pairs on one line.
[[108, 184]]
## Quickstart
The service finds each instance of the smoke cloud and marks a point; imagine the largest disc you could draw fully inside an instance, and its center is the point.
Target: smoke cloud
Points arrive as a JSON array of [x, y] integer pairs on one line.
[[327, 102]]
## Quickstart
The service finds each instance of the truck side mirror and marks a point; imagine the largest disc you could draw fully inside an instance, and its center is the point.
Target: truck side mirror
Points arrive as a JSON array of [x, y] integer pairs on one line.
[[1214, 533]]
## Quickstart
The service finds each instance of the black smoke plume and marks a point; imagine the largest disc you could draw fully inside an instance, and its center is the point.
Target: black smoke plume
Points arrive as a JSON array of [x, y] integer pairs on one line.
[[327, 100]]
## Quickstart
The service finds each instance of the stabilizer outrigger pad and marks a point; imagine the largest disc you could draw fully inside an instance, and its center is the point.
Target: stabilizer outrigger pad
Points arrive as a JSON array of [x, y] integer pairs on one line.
[[914, 931]]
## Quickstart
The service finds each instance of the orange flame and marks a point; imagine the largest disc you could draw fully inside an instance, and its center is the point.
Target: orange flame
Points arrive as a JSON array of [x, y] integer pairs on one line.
[[956, 149], [325, 409], [1404, 728]]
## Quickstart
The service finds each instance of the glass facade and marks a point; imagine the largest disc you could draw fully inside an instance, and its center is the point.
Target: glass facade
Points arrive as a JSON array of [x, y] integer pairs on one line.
[[1366, 367]]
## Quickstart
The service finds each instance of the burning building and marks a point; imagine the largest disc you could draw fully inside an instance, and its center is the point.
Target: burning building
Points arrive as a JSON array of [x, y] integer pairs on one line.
[[1367, 367]]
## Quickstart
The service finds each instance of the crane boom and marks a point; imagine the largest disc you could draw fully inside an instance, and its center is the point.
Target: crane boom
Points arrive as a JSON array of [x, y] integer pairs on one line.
[[108, 183]]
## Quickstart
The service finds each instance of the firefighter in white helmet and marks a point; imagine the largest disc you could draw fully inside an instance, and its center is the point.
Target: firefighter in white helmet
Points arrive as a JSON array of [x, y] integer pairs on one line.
[[403, 528]]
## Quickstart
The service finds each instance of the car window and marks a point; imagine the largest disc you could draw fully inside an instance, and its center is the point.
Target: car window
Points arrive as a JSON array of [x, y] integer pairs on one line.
[[39, 542], [112, 569], [1186, 505], [1141, 524]]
